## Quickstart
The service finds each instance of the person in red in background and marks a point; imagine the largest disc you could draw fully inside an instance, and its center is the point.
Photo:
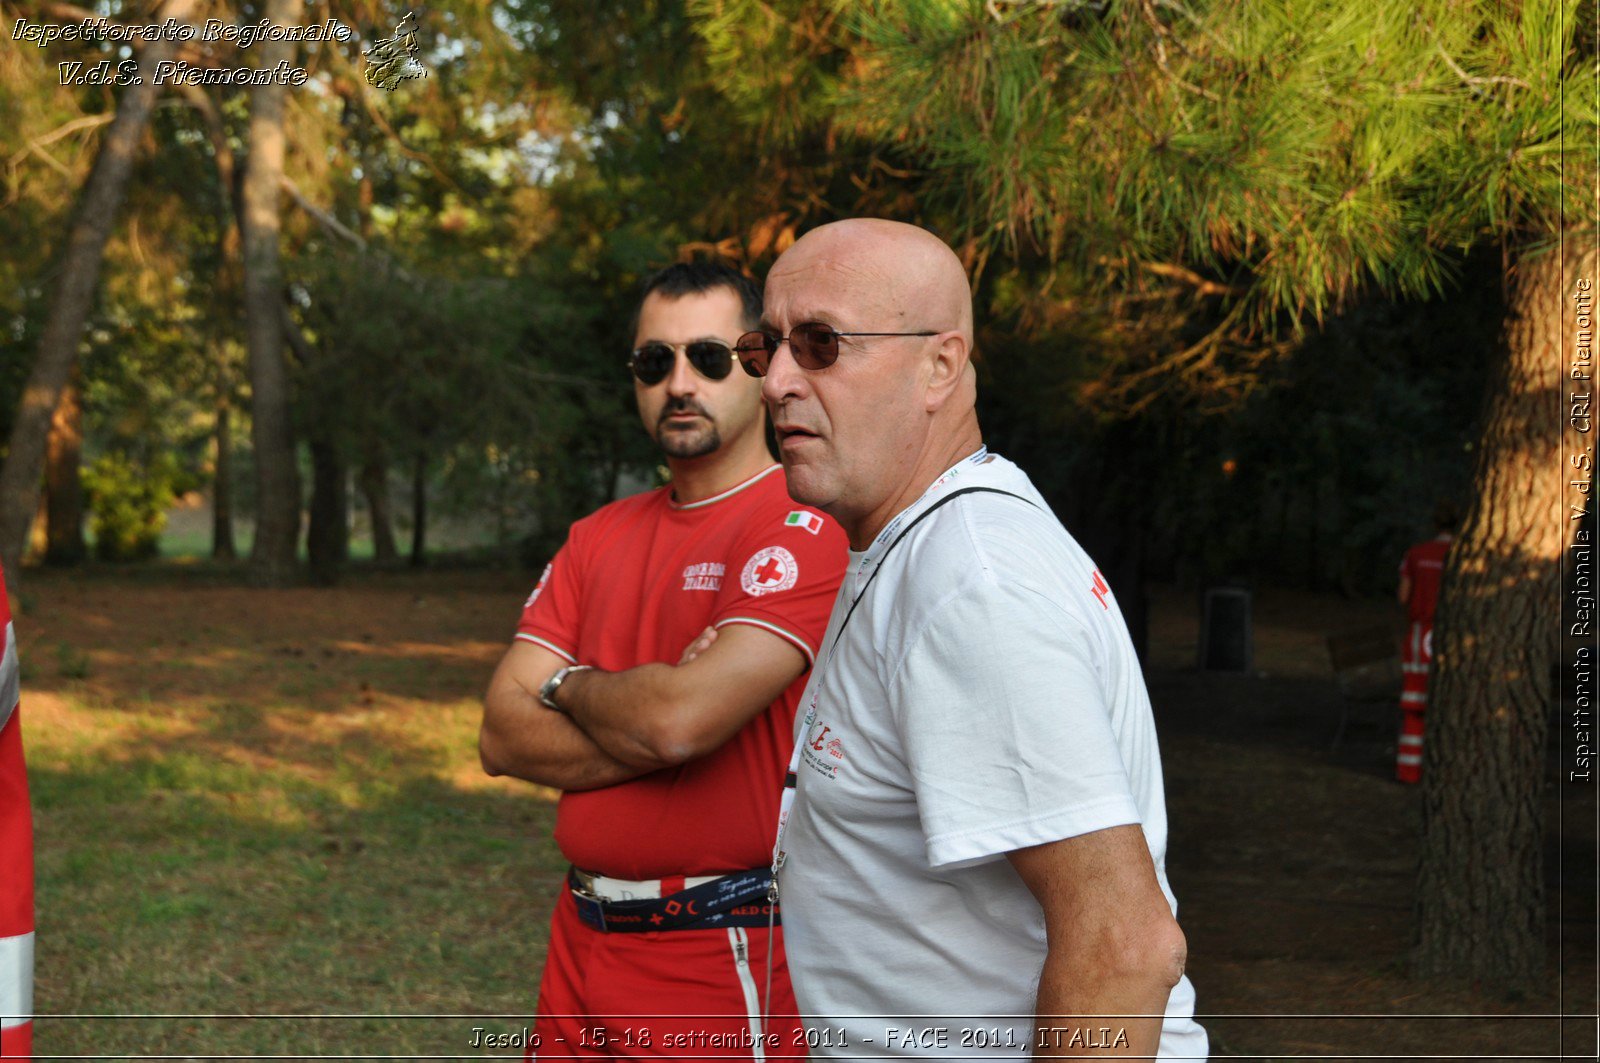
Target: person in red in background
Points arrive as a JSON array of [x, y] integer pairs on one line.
[[654, 679], [1420, 572], [16, 858]]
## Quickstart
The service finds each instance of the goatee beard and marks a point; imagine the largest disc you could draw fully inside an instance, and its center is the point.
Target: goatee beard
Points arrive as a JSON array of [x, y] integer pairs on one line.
[[686, 442], [679, 443]]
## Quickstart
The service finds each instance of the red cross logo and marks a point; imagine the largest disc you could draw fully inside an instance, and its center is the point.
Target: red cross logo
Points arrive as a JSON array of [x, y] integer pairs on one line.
[[656, 919], [769, 571], [1101, 589]]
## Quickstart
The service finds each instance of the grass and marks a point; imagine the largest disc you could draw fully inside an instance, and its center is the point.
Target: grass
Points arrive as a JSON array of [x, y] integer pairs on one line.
[[188, 535], [268, 802]]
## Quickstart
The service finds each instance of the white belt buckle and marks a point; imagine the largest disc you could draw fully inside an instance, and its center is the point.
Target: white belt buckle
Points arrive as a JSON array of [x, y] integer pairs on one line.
[[581, 884]]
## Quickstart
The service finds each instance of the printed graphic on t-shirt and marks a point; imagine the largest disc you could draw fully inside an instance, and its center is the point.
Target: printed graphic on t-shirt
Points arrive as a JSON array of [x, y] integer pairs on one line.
[[769, 571], [705, 576], [803, 518], [1101, 589], [823, 750]]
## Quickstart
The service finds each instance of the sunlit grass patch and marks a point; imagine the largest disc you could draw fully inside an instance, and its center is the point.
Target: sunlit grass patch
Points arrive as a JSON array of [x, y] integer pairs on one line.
[[253, 819]]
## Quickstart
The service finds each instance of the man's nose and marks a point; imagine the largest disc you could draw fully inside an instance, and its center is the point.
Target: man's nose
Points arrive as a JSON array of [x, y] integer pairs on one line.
[[683, 380], [784, 378]]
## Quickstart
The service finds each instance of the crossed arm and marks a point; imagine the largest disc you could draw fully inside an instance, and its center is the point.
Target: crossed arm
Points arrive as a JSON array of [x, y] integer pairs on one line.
[[1113, 948], [615, 726]]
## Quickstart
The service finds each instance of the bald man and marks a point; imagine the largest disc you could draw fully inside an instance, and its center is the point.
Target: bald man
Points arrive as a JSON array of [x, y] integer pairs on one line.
[[976, 828]]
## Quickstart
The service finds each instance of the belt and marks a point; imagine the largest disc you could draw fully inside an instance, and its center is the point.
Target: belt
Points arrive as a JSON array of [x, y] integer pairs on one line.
[[621, 889], [705, 903]]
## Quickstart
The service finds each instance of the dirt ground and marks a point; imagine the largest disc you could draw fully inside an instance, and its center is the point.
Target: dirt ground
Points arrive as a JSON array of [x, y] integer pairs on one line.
[[1293, 863]]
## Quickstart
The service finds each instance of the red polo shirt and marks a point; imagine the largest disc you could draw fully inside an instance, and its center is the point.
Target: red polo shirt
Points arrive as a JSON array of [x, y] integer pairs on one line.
[[635, 583]]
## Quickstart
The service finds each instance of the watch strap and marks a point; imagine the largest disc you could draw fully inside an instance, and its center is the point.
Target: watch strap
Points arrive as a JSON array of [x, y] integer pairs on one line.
[[547, 692]]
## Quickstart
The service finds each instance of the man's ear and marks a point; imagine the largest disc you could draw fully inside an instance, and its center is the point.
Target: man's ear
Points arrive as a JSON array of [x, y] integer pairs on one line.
[[951, 364]]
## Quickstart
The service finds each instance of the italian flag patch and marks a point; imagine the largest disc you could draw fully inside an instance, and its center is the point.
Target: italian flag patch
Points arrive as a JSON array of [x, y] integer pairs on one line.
[[802, 519]]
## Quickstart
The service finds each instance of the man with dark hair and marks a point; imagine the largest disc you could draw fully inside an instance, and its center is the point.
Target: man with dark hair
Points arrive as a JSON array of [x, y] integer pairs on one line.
[[693, 278], [654, 679], [1420, 573]]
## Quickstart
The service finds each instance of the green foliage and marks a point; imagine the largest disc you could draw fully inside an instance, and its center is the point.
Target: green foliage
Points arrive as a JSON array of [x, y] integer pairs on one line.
[[1297, 150], [1145, 192], [508, 387], [128, 503], [48, 144]]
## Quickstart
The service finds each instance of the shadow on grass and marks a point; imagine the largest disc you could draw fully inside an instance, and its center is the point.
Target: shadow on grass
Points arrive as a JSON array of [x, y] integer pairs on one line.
[[174, 883]]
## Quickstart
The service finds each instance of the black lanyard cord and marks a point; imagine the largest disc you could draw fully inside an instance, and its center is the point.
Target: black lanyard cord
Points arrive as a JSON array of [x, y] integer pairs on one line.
[[951, 497]]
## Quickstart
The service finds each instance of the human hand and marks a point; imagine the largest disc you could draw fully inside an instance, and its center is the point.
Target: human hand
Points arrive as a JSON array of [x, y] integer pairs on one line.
[[701, 643]]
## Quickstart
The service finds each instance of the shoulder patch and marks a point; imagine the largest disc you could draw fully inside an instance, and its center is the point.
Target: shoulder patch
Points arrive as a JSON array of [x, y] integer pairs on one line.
[[769, 571], [804, 518]]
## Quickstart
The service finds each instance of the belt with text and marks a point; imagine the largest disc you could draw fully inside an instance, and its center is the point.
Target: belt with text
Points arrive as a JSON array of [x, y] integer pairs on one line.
[[735, 900]]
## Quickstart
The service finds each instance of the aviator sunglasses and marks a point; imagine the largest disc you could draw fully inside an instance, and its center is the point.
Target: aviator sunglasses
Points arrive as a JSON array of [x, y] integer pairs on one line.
[[814, 346], [651, 363]]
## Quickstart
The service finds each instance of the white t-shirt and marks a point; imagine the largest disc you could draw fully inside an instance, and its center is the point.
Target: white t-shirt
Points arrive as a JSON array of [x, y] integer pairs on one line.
[[984, 697]]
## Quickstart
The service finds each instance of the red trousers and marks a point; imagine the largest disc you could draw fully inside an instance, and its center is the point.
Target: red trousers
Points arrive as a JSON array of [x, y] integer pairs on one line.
[[1415, 657], [16, 893], [677, 994]]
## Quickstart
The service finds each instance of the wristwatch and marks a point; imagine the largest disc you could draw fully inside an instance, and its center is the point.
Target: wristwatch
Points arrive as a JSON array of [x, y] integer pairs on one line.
[[547, 692]]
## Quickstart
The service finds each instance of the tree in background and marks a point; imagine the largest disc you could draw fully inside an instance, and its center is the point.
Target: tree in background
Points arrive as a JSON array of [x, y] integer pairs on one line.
[[152, 344], [1278, 160], [72, 299], [440, 168], [277, 539]]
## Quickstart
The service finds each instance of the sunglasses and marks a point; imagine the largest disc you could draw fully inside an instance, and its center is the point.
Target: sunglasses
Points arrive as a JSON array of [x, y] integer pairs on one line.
[[814, 346], [654, 361]]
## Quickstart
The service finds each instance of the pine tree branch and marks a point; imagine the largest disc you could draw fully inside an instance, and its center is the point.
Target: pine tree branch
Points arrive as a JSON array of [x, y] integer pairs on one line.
[[994, 8], [54, 163], [1188, 363], [1147, 12], [339, 229], [1194, 20], [365, 99], [295, 337], [326, 220], [1470, 79], [1201, 285], [86, 122]]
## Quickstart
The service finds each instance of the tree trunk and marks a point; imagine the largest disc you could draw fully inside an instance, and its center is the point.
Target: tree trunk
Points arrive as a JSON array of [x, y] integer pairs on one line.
[[226, 288], [1480, 892], [328, 538], [419, 511], [1313, 541], [375, 486], [222, 547], [77, 277], [64, 543], [273, 554]]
